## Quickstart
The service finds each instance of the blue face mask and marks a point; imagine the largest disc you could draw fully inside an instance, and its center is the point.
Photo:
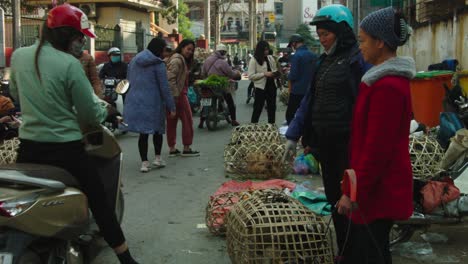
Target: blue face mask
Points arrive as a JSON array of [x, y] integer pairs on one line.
[[115, 59]]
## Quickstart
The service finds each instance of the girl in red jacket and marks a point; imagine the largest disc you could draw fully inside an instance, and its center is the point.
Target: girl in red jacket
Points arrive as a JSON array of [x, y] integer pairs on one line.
[[379, 140]]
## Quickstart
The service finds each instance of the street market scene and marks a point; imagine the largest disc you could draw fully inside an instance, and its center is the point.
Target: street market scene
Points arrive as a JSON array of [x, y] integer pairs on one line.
[[311, 131]]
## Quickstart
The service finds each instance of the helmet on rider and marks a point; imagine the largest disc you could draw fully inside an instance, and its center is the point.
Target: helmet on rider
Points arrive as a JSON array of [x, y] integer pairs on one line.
[[69, 16], [113, 51], [114, 55], [334, 13]]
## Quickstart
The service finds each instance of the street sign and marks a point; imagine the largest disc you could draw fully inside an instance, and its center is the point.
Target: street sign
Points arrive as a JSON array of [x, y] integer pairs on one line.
[[271, 17]]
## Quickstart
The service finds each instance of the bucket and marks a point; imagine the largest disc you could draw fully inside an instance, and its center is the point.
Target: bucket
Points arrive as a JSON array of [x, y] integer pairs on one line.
[[427, 95]]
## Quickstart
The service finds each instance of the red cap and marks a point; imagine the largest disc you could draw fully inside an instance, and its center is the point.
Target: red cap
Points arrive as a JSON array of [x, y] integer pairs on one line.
[[69, 16]]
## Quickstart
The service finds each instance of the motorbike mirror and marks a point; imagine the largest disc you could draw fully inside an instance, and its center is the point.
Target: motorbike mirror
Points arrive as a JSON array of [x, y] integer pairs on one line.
[[122, 87]]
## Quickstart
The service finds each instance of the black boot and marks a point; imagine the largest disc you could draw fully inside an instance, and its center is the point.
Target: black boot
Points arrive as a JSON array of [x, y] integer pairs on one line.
[[126, 258]]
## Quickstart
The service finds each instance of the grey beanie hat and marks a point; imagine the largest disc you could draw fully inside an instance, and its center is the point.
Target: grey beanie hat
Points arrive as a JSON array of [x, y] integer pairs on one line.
[[381, 23]]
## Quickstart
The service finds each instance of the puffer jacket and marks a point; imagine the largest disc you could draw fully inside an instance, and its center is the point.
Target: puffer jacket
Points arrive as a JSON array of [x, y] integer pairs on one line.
[[329, 101], [177, 73], [149, 97]]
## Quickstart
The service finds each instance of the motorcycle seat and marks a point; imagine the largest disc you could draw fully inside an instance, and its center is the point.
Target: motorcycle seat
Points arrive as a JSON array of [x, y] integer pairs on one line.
[[46, 172]]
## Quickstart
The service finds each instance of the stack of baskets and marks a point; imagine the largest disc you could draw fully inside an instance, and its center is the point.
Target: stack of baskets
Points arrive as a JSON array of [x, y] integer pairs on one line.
[[271, 227], [255, 151]]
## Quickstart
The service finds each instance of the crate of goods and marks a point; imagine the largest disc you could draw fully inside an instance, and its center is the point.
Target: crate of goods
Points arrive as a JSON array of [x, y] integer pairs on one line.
[[271, 227]]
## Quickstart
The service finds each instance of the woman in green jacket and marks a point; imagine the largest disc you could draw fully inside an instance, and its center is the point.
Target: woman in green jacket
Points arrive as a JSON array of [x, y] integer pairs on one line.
[[56, 100]]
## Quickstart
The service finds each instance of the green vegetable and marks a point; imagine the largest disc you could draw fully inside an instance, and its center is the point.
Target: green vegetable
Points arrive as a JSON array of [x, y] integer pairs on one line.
[[214, 82]]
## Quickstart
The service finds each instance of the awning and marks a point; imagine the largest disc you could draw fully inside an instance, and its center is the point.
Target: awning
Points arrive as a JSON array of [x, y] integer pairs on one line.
[[229, 41]]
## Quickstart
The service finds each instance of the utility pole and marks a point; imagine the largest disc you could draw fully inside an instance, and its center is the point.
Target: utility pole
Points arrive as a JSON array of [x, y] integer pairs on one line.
[[253, 23], [207, 21], [16, 23], [217, 23]]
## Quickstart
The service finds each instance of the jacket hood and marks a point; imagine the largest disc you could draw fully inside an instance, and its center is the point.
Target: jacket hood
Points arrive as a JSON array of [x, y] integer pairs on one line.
[[397, 66], [147, 58], [218, 55], [177, 56]]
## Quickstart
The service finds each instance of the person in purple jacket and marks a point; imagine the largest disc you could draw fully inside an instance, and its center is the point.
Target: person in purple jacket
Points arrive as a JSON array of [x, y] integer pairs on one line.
[[217, 64], [148, 99]]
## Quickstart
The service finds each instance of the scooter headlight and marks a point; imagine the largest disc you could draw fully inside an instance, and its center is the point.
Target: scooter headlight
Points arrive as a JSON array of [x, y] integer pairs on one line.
[[14, 207]]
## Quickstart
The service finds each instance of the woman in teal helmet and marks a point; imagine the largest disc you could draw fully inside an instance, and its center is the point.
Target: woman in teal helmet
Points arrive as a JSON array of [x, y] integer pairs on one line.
[[324, 117]]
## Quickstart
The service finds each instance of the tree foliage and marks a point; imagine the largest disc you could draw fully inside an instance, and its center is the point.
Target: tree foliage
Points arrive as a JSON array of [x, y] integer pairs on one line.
[[184, 21], [304, 31]]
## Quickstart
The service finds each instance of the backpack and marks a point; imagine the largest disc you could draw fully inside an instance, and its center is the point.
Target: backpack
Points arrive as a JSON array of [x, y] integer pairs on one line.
[[449, 125]]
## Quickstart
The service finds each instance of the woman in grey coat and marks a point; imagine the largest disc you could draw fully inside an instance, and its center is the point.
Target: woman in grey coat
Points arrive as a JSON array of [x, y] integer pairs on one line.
[[148, 99]]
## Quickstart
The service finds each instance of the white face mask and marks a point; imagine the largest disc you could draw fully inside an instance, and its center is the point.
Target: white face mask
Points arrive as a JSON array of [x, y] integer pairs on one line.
[[77, 47]]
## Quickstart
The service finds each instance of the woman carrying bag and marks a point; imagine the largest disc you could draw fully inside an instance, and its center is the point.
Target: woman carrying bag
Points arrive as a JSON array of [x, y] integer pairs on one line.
[[262, 72]]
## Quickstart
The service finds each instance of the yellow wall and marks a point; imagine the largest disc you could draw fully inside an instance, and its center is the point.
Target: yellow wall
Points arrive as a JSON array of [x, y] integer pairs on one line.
[[437, 42], [126, 19]]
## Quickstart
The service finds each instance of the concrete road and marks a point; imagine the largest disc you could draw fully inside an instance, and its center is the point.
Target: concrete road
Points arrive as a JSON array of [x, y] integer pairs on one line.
[[165, 208]]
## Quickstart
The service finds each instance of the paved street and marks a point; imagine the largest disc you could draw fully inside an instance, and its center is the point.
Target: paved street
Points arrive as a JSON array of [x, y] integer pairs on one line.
[[164, 207]]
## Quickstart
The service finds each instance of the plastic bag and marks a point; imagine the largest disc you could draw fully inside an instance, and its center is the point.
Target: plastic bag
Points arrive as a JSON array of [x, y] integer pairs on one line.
[[304, 164], [435, 193], [300, 165], [192, 95]]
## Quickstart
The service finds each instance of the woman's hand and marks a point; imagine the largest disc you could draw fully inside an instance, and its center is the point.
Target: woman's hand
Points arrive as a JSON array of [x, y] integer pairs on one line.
[[345, 205], [5, 119], [172, 114], [269, 74]]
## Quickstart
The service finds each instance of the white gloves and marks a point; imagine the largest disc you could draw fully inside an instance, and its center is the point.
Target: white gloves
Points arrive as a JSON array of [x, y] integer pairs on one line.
[[290, 150]]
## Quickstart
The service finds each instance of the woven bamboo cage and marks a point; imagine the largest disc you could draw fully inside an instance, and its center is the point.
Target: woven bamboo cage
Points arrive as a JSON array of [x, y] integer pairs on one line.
[[255, 128], [8, 151], [426, 156], [256, 160], [217, 209], [255, 136], [271, 227], [284, 96]]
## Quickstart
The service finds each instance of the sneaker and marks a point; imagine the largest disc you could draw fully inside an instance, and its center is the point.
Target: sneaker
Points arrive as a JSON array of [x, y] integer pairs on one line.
[[159, 163], [145, 166], [234, 123], [200, 126], [174, 153], [190, 153]]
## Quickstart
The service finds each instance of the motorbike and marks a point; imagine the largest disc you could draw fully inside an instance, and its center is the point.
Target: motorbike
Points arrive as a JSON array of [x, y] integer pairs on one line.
[[456, 169], [214, 108], [112, 88], [44, 216]]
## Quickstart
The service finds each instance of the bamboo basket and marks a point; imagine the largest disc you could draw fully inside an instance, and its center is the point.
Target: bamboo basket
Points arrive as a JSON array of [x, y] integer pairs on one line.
[[256, 160], [255, 136], [426, 156], [217, 209], [255, 128], [271, 227], [8, 150]]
